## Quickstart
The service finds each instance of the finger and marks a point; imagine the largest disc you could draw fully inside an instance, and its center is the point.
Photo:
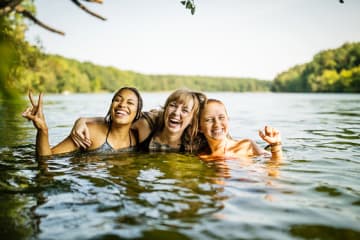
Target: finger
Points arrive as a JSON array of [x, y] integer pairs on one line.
[[40, 101], [265, 137], [262, 134], [87, 134], [76, 141], [31, 98], [28, 115], [267, 130], [27, 112], [82, 141]]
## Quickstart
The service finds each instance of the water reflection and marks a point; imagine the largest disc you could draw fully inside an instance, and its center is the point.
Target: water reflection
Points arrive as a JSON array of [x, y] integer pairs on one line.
[[313, 193], [124, 192]]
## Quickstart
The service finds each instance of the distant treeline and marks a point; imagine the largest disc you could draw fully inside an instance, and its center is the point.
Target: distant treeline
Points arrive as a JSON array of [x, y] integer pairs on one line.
[[57, 74], [334, 70]]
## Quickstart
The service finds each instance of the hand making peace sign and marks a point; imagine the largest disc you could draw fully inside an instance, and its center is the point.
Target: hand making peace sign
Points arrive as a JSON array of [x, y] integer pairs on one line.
[[35, 112]]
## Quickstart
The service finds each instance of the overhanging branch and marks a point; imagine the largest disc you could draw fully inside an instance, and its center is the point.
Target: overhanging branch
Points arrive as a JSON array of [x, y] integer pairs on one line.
[[77, 3], [19, 9]]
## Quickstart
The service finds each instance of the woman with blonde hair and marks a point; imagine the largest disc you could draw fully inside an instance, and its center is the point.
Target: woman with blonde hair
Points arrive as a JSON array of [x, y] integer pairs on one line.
[[214, 126]]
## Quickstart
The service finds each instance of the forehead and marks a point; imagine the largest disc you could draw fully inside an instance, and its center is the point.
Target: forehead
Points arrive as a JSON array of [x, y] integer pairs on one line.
[[127, 93], [184, 99], [214, 108]]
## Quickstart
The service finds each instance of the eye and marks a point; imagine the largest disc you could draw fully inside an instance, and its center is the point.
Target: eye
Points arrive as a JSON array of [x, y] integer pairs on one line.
[[209, 120], [222, 117], [131, 102], [172, 104], [185, 110], [117, 99]]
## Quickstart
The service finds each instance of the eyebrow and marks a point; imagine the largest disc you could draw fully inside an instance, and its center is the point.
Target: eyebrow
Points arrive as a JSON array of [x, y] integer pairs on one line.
[[129, 98]]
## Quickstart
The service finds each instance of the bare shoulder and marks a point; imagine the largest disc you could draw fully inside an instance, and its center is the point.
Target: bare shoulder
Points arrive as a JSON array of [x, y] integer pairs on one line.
[[97, 129], [245, 147], [143, 128], [245, 142]]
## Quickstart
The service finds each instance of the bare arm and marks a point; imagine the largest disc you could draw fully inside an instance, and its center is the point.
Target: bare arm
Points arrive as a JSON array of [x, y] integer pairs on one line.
[[80, 134], [36, 115], [273, 138]]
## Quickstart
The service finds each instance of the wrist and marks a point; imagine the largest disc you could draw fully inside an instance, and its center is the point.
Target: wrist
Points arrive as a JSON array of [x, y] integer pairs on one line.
[[274, 146]]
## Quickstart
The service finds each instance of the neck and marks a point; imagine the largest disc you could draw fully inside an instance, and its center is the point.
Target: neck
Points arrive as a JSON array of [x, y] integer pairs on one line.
[[169, 138], [120, 132], [218, 147]]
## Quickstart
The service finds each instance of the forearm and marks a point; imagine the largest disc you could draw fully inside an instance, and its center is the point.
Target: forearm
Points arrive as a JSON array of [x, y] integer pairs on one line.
[[276, 152], [42, 143]]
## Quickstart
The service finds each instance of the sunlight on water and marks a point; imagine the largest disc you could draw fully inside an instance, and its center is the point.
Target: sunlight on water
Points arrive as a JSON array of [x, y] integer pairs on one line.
[[313, 194]]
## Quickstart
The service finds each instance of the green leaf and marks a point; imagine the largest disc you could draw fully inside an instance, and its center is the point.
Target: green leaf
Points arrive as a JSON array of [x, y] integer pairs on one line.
[[188, 5]]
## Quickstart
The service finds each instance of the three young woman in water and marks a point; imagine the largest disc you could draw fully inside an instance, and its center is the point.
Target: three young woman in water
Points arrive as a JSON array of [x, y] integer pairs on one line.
[[175, 128]]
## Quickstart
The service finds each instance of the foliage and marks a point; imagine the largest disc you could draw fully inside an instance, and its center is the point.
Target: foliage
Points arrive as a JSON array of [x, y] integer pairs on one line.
[[189, 4], [57, 74], [333, 70], [15, 53]]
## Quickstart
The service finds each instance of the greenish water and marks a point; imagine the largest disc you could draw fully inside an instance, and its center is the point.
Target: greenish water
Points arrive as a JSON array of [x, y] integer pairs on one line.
[[313, 194]]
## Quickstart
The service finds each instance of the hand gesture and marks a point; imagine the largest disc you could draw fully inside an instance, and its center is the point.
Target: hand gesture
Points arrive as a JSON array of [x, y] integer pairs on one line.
[[270, 135], [35, 112], [80, 134]]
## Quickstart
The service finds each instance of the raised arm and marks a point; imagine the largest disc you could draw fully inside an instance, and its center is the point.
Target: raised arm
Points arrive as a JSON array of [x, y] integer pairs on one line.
[[36, 115], [272, 137]]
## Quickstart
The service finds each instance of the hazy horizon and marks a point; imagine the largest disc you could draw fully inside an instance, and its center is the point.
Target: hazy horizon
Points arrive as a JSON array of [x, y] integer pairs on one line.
[[228, 38]]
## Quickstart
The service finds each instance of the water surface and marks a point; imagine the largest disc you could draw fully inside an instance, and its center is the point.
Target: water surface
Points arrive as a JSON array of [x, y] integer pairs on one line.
[[313, 194]]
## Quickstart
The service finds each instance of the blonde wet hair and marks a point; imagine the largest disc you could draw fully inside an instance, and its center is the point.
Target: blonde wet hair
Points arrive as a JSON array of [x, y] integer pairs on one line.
[[184, 96]]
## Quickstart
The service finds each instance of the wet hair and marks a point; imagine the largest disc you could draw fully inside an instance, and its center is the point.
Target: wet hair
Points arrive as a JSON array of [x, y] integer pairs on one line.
[[108, 119], [184, 96], [202, 142]]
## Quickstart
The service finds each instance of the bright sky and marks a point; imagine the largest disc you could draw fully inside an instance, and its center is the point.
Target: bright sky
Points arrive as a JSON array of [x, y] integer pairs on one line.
[[239, 38]]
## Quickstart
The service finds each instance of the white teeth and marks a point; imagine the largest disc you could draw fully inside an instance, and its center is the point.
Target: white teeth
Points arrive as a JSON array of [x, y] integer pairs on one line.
[[122, 112], [174, 121], [217, 132]]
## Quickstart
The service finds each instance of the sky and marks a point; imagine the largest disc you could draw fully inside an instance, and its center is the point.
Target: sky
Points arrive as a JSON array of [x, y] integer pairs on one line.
[[230, 38]]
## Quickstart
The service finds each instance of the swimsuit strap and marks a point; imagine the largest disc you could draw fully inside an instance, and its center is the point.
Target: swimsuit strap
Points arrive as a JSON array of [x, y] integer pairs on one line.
[[107, 134], [130, 138]]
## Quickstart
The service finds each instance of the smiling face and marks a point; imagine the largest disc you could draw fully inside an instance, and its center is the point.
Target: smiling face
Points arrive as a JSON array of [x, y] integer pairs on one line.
[[124, 107], [178, 115], [214, 120]]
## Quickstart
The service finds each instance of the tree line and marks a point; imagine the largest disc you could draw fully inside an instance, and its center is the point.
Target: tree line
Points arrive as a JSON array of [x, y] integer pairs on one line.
[[333, 70], [57, 74]]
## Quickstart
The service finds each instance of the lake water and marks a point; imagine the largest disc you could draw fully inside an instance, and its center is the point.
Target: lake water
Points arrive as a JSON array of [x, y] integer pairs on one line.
[[313, 194]]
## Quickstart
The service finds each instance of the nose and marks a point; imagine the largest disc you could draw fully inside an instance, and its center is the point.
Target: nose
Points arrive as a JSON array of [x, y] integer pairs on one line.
[[216, 122], [177, 111], [122, 104]]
